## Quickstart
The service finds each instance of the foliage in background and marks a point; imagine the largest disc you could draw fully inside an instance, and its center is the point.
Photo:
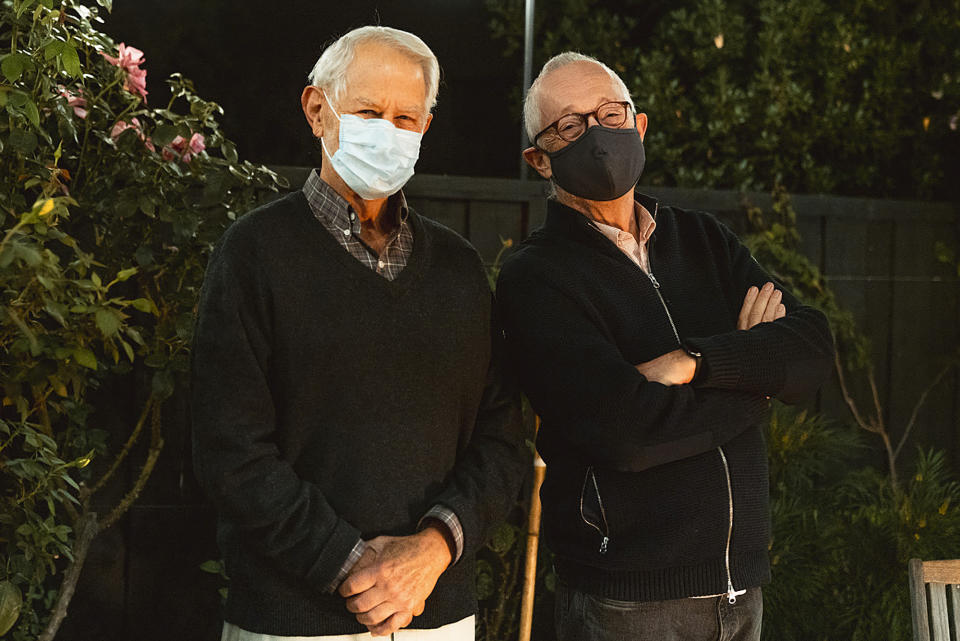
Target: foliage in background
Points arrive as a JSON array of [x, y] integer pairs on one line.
[[842, 535], [843, 531], [854, 97], [775, 242], [108, 209]]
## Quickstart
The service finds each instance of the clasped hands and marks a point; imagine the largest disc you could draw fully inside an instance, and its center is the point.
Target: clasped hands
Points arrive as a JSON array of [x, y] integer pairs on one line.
[[760, 305], [390, 583]]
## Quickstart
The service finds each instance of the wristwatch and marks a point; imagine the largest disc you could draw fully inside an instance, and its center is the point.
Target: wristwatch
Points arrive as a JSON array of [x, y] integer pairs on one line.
[[697, 356]]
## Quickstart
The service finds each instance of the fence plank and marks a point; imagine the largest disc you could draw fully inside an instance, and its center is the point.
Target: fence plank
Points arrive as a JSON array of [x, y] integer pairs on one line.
[[452, 213]]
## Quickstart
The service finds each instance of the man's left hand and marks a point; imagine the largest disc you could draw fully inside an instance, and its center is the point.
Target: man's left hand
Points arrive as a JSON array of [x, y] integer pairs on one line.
[[387, 592]]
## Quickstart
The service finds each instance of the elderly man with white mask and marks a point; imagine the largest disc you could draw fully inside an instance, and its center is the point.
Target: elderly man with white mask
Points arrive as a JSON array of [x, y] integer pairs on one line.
[[649, 341], [352, 422]]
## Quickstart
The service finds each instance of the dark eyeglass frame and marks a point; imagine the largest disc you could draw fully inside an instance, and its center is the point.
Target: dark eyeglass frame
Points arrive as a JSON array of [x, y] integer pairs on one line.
[[627, 109]]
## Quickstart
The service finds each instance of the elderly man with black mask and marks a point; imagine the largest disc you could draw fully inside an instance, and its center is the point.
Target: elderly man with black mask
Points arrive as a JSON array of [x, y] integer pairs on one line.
[[650, 342], [352, 422]]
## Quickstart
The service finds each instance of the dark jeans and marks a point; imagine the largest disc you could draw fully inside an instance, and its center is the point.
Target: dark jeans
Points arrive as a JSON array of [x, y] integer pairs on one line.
[[585, 617]]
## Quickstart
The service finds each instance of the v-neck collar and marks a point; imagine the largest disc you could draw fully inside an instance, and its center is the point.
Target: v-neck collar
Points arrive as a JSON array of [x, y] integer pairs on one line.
[[408, 276]]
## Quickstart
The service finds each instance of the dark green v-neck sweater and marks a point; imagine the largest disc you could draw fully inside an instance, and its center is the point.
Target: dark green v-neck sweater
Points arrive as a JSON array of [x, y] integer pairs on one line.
[[329, 403]]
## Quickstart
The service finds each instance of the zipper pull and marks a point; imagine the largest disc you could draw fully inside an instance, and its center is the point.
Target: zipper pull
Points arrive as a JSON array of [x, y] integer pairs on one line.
[[653, 279], [733, 594], [603, 544]]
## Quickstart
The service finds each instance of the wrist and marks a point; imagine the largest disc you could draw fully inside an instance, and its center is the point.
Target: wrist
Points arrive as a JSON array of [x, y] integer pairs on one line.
[[439, 538], [697, 359]]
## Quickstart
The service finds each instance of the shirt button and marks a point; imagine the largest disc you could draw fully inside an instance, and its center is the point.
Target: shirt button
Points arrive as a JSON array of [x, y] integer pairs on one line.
[[346, 232], [380, 264], [353, 216]]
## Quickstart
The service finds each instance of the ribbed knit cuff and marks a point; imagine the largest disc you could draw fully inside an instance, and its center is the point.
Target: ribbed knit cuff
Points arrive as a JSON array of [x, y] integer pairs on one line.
[[450, 520], [721, 363], [358, 549], [339, 547]]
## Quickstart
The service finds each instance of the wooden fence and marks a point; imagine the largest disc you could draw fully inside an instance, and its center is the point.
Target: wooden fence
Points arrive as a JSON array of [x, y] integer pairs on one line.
[[142, 580]]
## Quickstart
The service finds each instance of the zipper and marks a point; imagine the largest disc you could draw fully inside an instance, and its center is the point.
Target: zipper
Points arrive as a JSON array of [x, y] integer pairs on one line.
[[605, 532], [732, 594], [656, 288]]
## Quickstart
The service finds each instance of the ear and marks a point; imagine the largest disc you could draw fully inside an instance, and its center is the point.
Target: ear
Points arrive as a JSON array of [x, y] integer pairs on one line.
[[429, 120], [313, 104], [539, 161], [642, 124]]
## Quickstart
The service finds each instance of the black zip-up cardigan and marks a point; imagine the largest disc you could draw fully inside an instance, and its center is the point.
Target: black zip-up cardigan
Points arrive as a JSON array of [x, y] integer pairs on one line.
[[642, 478]]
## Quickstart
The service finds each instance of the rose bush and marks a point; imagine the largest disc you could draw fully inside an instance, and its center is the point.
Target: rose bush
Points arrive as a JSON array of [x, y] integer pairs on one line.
[[108, 210]]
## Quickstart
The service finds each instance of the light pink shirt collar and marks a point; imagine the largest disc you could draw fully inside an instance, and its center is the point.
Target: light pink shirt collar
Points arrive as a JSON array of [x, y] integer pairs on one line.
[[625, 242]]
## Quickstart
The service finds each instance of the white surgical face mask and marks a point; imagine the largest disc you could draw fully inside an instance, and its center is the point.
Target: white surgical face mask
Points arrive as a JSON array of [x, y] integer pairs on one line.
[[375, 159]]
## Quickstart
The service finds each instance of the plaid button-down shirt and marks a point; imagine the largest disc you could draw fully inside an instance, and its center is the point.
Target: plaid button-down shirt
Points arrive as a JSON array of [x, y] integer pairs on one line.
[[341, 221]]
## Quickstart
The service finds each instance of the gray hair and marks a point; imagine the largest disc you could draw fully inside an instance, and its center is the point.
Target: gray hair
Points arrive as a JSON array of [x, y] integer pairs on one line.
[[532, 116], [330, 70]]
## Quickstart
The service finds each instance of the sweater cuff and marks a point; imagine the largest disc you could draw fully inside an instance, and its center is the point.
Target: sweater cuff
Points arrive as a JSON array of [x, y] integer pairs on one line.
[[450, 520], [335, 553], [720, 365], [358, 549]]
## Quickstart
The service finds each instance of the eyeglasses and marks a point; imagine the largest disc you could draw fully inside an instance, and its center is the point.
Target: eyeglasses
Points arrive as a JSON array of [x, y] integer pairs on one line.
[[569, 127]]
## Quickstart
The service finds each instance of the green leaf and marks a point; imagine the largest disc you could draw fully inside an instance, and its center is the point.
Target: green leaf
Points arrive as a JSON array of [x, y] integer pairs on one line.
[[108, 321], [10, 603], [212, 567], [85, 357], [71, 61], [106, 4], [143, 255], [162, 385], [155, 360], [503, 538], [12, 67], [163, 135], [33, 115], [128, 349], [145, 305], [229, 151], [22, 141], [124, 274], [53, 49], [24, 5]]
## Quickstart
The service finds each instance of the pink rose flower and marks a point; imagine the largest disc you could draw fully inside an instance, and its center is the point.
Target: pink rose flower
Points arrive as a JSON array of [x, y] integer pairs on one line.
[[130, 59], [197, 143], [76, 101], [134, 124], [184, 150]]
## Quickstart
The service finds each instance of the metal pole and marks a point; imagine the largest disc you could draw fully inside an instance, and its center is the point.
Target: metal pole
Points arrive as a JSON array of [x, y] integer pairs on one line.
[[527, 75]]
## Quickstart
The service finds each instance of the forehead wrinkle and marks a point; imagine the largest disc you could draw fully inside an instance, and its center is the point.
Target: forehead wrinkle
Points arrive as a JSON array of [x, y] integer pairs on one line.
[[569, 109], [370, 102]]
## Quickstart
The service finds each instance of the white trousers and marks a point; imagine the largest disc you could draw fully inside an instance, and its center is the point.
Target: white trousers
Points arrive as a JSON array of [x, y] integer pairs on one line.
[[462, 630]]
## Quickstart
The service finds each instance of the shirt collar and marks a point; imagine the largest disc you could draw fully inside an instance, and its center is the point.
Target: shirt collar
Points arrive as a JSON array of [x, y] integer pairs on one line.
[[566, 220], [326, 203], [645, 226]]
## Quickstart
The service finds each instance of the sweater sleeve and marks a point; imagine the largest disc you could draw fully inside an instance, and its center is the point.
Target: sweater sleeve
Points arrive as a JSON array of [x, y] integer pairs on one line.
[[236, 458], [485, 482], [787, 359], [582, 386]]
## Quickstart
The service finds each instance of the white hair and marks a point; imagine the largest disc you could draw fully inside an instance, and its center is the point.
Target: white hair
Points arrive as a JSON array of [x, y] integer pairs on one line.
[[532, 115], [330, 70]]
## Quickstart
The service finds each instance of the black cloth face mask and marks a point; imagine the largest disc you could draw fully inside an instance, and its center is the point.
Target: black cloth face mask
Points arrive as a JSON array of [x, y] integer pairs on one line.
[[602, 164]]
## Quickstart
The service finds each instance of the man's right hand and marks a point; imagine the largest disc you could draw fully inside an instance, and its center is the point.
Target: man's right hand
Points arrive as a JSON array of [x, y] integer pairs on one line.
[[392, 580], [761, 306]]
